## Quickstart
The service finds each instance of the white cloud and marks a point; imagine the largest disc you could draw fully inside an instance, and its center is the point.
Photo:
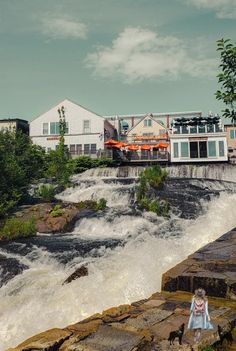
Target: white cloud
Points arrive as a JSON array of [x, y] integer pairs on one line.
[[63, 28], [139, 54], [223, 8]]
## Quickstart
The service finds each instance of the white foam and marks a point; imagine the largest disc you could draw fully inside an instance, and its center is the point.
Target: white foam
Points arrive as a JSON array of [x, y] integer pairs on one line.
[[36, 300]]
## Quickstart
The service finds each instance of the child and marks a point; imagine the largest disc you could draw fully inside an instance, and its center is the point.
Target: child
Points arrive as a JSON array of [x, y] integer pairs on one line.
[[199, 316]]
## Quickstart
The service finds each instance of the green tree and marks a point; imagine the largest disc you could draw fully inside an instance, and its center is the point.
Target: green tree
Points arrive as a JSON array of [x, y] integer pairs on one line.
[[58, 160], [20, 163], [227, 77]]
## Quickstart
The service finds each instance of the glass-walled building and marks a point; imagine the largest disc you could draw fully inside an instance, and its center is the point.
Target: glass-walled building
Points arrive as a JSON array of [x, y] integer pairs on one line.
[[198, 139]]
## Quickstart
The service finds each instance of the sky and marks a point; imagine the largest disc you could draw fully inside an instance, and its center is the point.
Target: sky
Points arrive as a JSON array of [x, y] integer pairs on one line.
[[113, 57]]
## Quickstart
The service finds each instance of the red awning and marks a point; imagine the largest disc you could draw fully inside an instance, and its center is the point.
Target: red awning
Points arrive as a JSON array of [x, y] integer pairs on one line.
[[110, 142], [145, 147], [161, 146], [133, 147]]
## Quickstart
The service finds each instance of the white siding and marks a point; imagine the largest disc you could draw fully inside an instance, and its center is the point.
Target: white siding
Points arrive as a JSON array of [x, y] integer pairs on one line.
[[75, 116]]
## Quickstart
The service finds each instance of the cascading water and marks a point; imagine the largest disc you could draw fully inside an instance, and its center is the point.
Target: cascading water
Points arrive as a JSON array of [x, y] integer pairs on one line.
[[125, 251]]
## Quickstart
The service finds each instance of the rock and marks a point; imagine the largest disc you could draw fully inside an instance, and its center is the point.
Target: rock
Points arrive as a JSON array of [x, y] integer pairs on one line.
[[49, 340], [10, 267], [108, 338], [79, 272], [213, 267]]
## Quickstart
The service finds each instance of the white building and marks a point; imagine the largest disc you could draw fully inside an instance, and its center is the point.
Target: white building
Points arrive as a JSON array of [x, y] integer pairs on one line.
[[198, 139], [123, 123], [85, 134]]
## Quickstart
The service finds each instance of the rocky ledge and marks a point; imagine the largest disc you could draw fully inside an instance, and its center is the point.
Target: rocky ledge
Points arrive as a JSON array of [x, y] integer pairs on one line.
[[212, 267], [142, 326], [61, 220], [145, 325]]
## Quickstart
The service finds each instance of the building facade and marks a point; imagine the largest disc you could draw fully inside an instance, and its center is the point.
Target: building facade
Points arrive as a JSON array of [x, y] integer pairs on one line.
[[85, 133], [198, 140], [123, 123], [14, 124], [230, 130]]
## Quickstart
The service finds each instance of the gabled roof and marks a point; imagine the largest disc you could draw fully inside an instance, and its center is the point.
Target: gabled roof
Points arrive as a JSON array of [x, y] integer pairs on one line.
[[149, 116], [72, 102]]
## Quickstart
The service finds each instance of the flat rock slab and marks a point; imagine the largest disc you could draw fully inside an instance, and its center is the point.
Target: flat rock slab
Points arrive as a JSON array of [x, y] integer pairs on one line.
[[50, 340], [212, 267], [148, 318], [108, 338]]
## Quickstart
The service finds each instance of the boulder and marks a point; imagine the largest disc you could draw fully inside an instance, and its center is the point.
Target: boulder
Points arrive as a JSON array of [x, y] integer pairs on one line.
[[212, 267], [78, 273]]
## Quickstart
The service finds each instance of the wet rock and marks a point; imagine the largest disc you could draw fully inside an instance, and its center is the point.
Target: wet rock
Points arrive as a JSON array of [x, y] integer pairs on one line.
[[10, 267], [79, 272], [49, 340], [212, 267]]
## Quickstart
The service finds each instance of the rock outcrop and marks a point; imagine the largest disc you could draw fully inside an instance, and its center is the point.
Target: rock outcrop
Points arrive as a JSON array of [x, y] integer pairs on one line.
[[142, 326], [78, 273], [213, 267]]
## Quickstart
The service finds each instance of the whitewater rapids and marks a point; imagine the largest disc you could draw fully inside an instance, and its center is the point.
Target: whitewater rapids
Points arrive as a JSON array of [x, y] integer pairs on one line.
[[148, 246]]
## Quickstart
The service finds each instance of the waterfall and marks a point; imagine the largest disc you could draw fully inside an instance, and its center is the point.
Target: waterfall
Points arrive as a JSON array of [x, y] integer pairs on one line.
[[125, 251], [225, 172]]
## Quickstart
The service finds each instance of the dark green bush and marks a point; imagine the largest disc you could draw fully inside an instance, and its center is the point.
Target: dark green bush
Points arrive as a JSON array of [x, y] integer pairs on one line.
[[18, 228], [46, 192], [83, 163]]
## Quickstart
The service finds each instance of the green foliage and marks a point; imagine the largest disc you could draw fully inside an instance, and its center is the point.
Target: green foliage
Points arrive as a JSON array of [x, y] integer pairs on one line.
[[57, 211], [58, 160], [20, 162], [152, 177], [101, 204], [83, 163], [17, 228], [46, 192], [208, 348], [161, 208], [227, 77]]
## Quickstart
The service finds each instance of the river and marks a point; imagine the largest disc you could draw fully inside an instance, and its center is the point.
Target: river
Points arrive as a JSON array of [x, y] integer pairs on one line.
[[126, 251]]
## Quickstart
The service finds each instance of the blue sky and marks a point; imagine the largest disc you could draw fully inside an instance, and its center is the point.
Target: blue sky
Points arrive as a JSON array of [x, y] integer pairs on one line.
[[114, 57]]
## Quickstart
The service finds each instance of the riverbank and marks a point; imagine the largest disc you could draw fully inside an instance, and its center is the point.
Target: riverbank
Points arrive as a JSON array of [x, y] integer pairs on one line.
[[145, 325]]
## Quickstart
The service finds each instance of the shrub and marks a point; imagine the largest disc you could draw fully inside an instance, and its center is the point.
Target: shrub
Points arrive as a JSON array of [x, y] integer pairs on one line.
[[101, 204], [57, 211], [18, 228], [161, 208], [46, 192], [208, 348], [83, 163]]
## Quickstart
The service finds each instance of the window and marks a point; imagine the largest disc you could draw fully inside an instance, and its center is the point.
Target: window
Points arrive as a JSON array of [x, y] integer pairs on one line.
[[54, 128], [86, 149], [211, 148], [78, 149], [147, 134], [45, 128], [203, 149], [176, 129], [184, 129], [147, 123], [221, 148], [86, 127], [162, 131], [176, 150], [201, 129], [193, 130], [233, 134], [210, 128], [49, 149], [194, 149], [72, 149], [93, 148], [184, 149]]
